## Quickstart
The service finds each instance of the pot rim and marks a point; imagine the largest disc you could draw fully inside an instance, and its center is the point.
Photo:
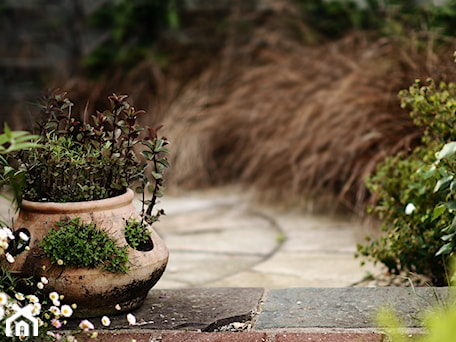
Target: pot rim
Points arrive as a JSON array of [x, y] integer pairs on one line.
[[78, 207]]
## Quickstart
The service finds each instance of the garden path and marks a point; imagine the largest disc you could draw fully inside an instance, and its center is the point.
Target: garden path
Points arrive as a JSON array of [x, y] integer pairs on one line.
[[219, 238]]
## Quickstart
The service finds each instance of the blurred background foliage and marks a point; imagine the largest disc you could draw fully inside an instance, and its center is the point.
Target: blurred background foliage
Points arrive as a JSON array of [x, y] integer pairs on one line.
[[294, 98]]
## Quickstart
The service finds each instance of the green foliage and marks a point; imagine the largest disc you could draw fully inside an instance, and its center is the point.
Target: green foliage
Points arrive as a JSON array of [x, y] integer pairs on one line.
[[334, 18], [445, 169], [405, 190], [90, 159], [136, 233], [439, 324], [13, 142], [135, 28], [79, 244]]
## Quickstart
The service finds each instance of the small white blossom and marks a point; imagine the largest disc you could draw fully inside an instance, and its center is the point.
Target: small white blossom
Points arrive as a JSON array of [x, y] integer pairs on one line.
[[86, 325], [53, 296], [409, 209], [36, 309], [24, 237], [32, 298], [44, 280], [3, 298], [40, 285], [9, 257], [105, 321], [9, 233], [131, 319], [117, 306], [19, 296], [55, 310], [66, 310]]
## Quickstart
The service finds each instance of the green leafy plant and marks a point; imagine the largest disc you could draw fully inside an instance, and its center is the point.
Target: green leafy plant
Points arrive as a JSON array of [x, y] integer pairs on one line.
[[438, 321], [91, 158], [404, 189], [445, 170], [135, 30], [75, 243], [137, 236]]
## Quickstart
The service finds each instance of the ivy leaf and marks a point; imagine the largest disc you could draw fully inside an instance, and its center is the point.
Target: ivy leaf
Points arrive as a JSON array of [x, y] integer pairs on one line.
[[445, 249], [443, 183], [438, 211], [447, 151]]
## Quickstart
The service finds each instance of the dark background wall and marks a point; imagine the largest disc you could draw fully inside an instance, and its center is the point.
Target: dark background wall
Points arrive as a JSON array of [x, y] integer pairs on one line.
[[39, 39]]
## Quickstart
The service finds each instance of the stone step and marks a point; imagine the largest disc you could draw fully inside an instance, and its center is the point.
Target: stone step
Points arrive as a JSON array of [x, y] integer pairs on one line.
[[279, 315]]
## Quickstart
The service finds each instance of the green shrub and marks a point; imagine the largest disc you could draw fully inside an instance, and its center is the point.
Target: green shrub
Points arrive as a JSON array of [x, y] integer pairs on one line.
[[404, 187], [137, 235], [79, 244]]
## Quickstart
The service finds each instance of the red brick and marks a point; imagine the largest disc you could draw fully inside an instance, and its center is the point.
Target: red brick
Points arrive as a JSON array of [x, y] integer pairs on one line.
[[180, 336], [329, 337]]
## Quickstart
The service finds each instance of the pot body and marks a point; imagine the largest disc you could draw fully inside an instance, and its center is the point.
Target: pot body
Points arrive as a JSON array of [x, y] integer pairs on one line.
[[95, 292]]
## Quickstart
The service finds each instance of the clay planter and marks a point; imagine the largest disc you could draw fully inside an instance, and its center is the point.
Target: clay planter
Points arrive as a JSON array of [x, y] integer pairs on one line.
[[96, 293]]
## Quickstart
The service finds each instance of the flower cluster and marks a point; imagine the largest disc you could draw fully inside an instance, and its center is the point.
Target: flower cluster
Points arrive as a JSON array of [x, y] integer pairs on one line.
[[48, 311], [6, 236]]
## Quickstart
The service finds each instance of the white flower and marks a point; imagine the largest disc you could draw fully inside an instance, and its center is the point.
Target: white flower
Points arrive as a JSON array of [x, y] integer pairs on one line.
[[36, 309], [44, 280], [131, 319], [105, 321], [3, 298], [53, 296], [55, 310], [23, 236], [32, 298], [3, 234], [409, 209], [117, 306], [86, 325], [3, 244], [40, 285], [19, 296], [9, 257], [60, 262], [56, 302], [9, 233], [66, 310]]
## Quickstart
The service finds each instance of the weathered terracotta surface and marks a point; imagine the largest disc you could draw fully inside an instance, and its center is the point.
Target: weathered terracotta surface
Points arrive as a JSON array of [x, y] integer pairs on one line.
[[96, 293]]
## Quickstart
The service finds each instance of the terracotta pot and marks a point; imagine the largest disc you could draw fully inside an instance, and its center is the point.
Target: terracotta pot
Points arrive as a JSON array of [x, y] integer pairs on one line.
[[95, 292]]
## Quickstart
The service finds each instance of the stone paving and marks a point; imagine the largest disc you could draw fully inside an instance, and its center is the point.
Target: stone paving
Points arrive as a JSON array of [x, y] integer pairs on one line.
[[286, 315], [217, 238]]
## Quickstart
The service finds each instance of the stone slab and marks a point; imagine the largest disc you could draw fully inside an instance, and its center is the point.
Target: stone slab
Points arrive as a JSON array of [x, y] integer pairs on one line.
[[201, 309], [343, 307], [192, 269], [316, 269]]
